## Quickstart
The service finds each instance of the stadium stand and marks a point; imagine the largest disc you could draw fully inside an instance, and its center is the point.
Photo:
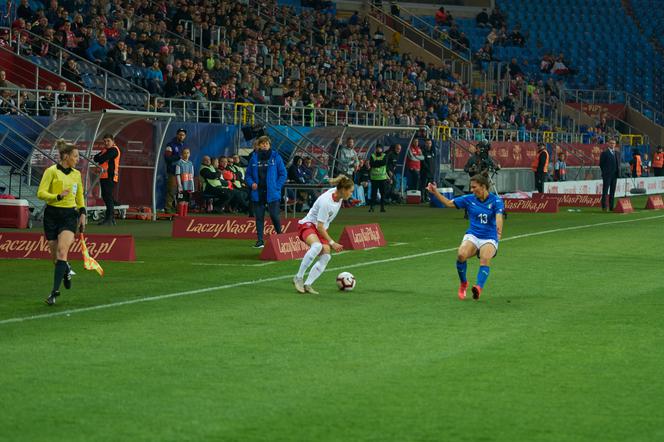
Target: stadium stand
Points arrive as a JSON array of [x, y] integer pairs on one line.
[[312, 59]]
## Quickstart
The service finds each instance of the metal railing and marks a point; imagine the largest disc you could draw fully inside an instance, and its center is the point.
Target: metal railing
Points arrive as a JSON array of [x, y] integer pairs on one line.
[[230, 112], [431, 45], [194, 32], [434, 34], [44, 102], [593, 96], [445, 133], [99, 77], [646, 109], [615, 124]]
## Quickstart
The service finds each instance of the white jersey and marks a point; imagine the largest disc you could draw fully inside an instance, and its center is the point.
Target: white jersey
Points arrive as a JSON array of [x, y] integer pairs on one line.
[[324, 210]]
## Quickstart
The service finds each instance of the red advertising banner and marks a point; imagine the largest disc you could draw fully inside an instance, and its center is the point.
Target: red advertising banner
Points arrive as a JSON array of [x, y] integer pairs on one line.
[[283, 247], [655, 203], [624, 205], [511, 154], [362, 236], [543, 205], [230, 227], [599, 109], [571, 199], [35, 246]]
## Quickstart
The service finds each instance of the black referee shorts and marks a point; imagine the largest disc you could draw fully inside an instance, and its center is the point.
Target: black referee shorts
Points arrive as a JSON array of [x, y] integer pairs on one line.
[[59, 219]]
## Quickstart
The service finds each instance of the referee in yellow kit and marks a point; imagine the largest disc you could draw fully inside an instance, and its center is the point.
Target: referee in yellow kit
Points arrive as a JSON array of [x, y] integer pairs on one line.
[[62, 190]]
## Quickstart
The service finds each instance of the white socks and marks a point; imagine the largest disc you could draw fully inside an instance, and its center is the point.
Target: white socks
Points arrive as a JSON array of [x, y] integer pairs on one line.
[[309, 257], [318, 268]]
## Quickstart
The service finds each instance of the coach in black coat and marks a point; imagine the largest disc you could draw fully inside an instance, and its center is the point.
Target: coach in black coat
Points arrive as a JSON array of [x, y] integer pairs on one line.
[[609, 163]]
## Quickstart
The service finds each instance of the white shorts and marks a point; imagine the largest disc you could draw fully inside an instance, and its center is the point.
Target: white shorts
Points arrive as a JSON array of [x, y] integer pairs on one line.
[[479, 243]]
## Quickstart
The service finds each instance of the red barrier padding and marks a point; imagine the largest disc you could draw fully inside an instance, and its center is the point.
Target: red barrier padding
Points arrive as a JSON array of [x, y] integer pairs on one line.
[[531, 205], [229, 227], [624, 205], [284, 246], [362, 236], [572, 199], [655, 203], [100, 247]]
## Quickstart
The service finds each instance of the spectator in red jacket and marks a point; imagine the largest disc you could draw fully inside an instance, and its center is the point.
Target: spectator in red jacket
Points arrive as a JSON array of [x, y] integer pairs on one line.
[[414, 159]]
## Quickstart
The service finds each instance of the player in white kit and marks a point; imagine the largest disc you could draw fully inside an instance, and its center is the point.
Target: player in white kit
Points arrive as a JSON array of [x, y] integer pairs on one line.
[[312, 229]]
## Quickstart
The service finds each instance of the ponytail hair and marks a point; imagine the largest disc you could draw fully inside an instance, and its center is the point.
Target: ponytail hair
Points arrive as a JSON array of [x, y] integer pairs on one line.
[[482, 179], [342, 182], [63, 147]]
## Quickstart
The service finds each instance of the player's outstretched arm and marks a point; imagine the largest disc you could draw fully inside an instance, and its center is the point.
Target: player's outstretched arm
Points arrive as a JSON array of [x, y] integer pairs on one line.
[[431, 187], [499, 225]]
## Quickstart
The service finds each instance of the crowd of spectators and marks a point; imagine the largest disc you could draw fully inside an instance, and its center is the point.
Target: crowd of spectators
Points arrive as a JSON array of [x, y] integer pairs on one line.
[[267, 54], [15, 100], [498, 36]]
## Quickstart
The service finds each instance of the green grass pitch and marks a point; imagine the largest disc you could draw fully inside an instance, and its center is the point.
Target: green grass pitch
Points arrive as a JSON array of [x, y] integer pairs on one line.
[[565, 344]]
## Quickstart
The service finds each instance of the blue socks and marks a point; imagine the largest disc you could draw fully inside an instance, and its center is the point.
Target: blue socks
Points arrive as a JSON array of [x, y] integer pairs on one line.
[[461, 270], [482, 275]]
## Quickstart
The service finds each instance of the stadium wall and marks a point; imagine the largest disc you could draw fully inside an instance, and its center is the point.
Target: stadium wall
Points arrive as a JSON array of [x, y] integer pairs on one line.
[[643, 123]]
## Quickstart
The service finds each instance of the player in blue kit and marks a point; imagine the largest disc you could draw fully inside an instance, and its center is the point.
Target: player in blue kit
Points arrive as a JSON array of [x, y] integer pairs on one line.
[[485, 211]]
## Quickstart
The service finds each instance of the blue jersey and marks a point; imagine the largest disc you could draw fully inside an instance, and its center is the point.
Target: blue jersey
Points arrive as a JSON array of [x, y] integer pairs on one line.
[[482, 214]]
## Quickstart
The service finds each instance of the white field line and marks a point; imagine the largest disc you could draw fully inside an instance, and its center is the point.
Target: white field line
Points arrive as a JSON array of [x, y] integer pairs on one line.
[[223, 264], [290, 275], [395, 244]]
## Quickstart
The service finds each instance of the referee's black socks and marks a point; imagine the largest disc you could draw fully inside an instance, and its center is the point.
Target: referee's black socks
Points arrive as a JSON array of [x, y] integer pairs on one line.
[[61, 268]]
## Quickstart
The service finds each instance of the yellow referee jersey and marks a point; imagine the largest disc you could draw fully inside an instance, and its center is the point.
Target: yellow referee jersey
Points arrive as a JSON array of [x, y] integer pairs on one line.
[[55, 181]]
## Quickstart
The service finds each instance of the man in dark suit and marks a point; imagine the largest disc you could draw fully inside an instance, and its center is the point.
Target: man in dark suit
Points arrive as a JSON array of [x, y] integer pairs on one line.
[[609, 163]]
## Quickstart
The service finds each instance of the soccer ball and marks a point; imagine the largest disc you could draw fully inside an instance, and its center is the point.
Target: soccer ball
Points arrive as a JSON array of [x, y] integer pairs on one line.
[[345, 281]]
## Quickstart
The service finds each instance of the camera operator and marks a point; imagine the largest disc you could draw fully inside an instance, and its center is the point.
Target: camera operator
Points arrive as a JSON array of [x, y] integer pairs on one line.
[[480, 161]]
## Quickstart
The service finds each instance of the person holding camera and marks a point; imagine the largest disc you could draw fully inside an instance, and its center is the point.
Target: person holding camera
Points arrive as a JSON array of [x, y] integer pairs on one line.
[[540, 166], [480, 161]]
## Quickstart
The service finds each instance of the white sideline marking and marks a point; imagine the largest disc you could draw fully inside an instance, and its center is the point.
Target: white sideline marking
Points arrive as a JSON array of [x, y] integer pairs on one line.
[[290, 275], [394, 244], [261, 264]]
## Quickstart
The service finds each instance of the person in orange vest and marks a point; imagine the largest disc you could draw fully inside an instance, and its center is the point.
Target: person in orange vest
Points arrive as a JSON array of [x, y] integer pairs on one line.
[[109, 161], [540, 166], [635, 164], [658, 162]]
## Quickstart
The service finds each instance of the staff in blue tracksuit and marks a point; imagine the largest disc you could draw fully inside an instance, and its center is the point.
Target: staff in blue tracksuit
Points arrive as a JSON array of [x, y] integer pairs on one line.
[[266, 176]]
